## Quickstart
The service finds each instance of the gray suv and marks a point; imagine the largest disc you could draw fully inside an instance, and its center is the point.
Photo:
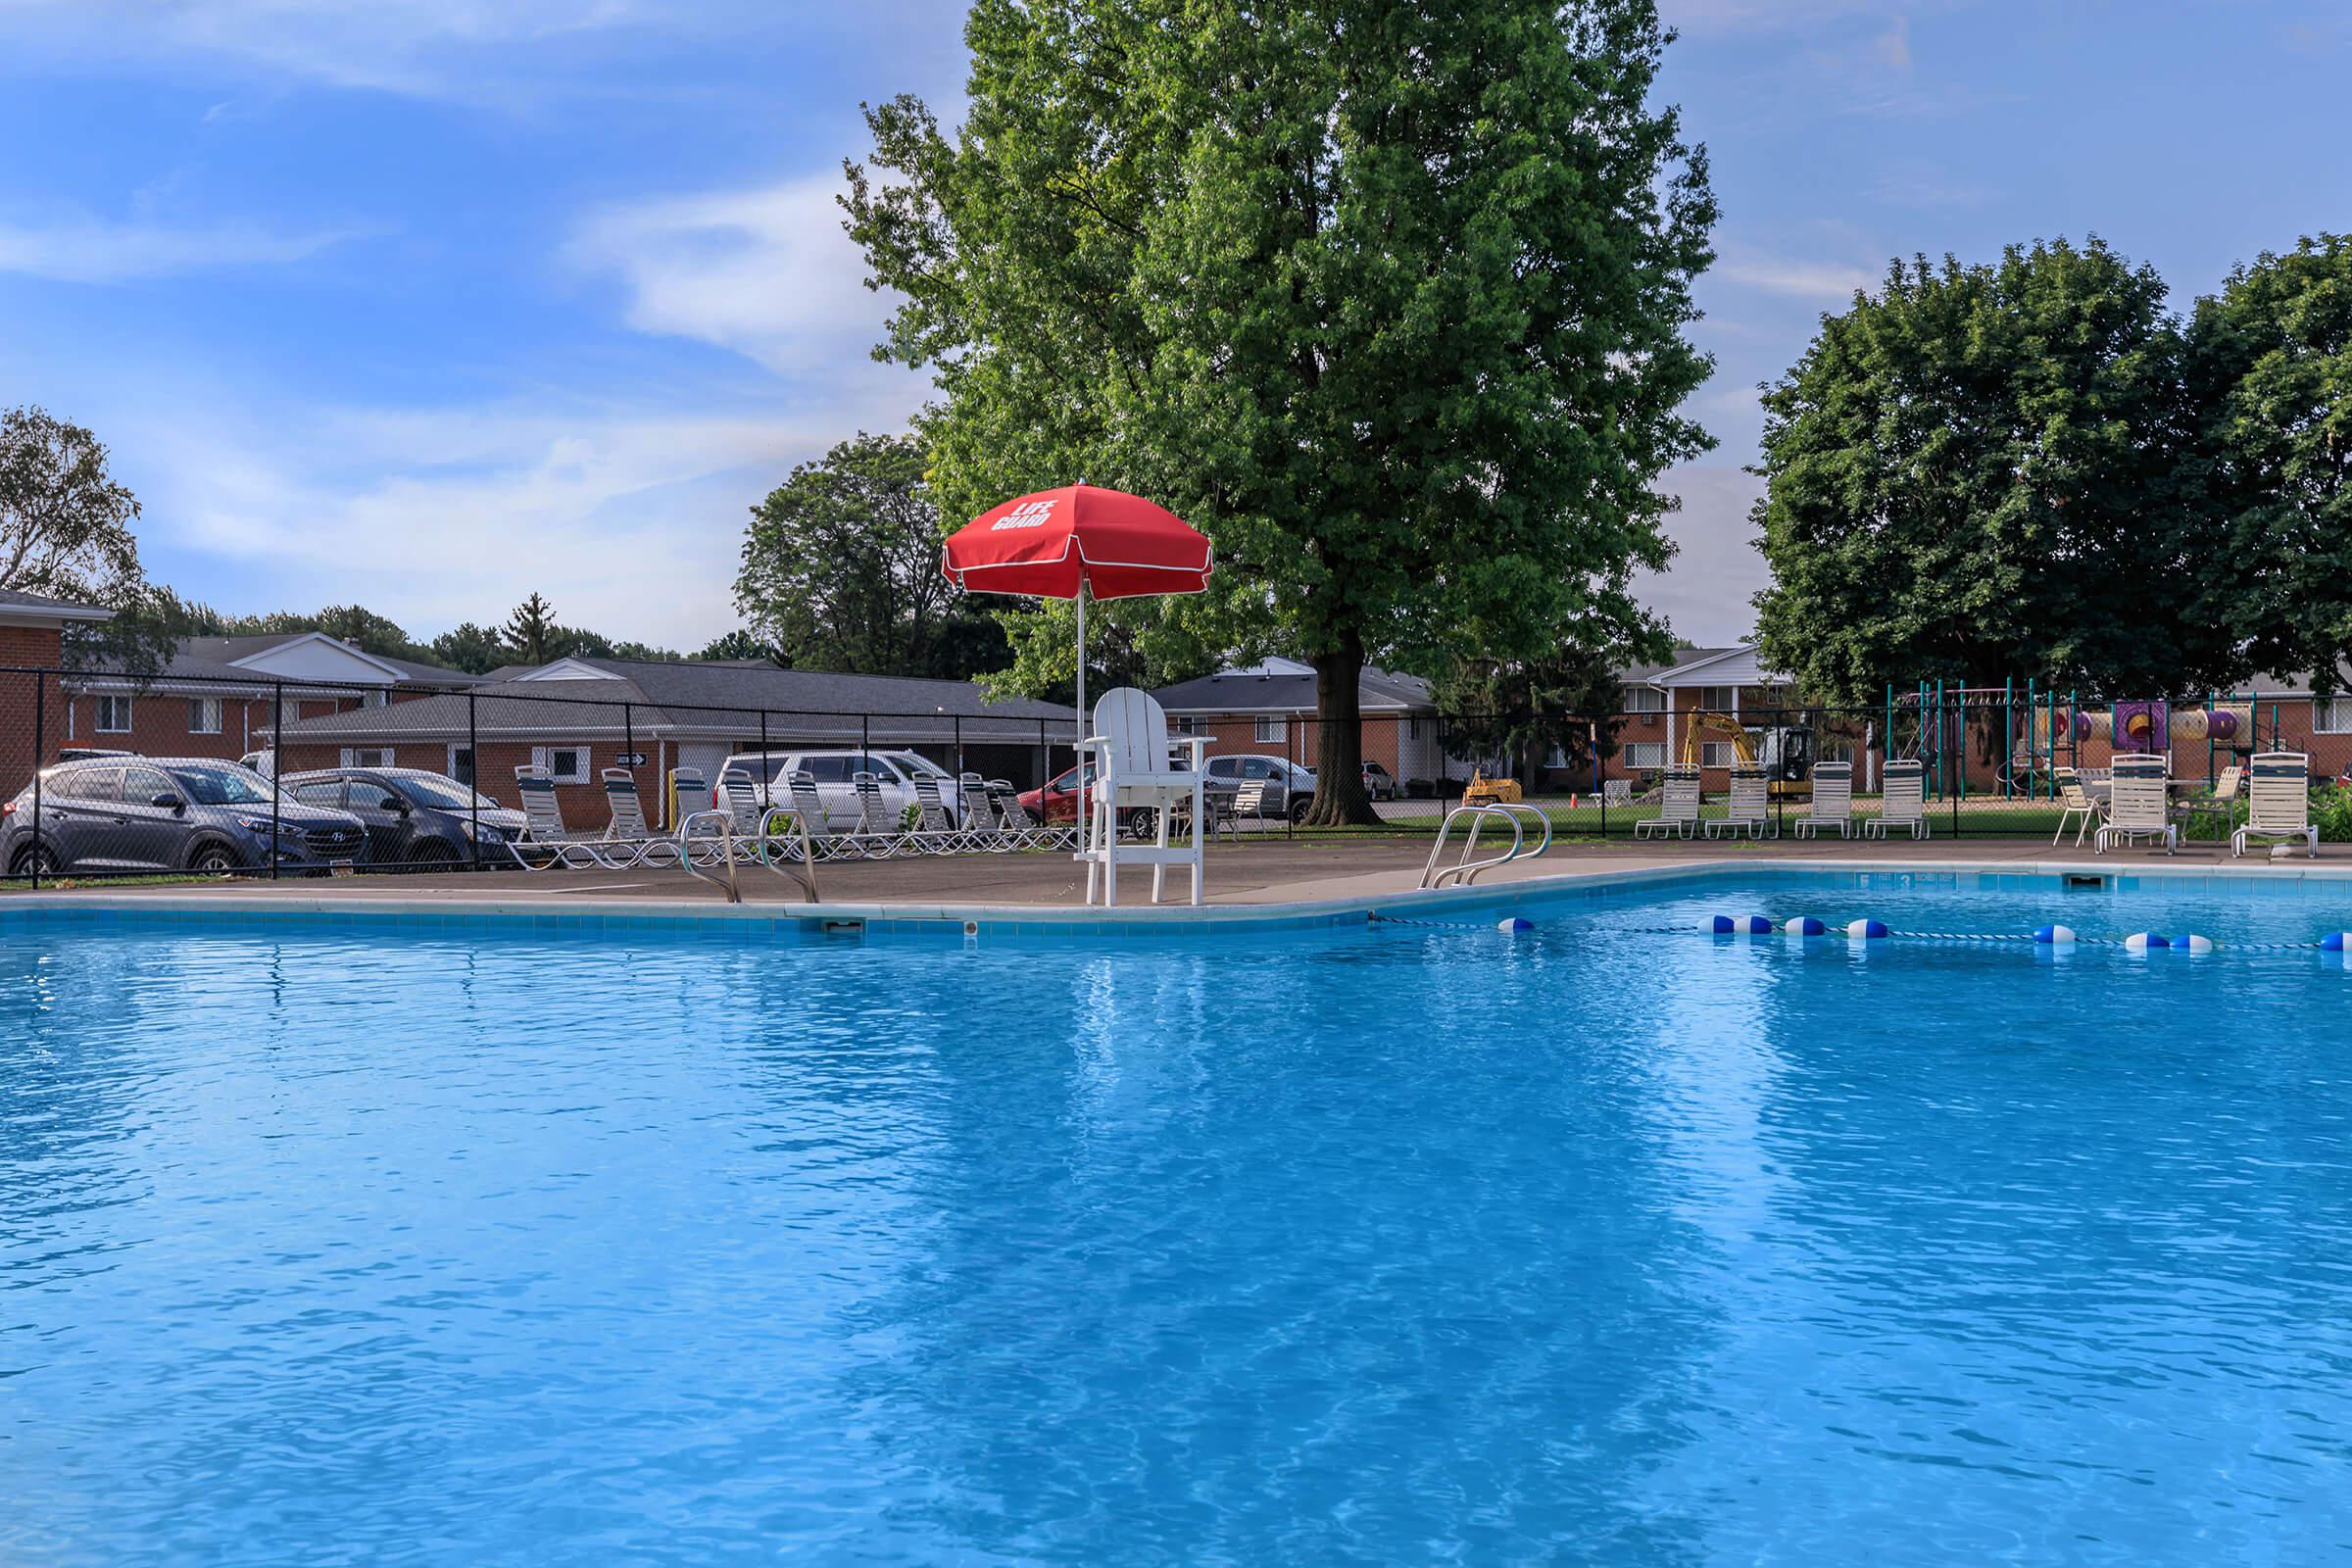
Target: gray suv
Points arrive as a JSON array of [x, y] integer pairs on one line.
[[414, 817], [169, 813]]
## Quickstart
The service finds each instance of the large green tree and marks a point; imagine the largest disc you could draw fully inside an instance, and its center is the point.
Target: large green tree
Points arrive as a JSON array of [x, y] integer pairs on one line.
[[64, 533], [2271, 371], [1386, 296], [841, 569], [1974, 475]]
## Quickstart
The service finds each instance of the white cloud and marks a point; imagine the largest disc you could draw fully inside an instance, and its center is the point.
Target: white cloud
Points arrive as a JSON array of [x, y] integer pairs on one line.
[[408, 46], [628, 520], [768, 271], [1796, 279], [87, 249]]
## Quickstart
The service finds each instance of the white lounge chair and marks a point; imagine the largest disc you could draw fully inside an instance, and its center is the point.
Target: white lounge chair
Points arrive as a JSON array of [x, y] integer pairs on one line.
[[2278, 804], [1016, 827], [879, 833], [1617, 791], [1750, 808], [628, 841], [1833, 803], [546, 842], [1137, 767], [935, 831], [2078, 808], [1902, 800], [2138, 807], [1678, 813]]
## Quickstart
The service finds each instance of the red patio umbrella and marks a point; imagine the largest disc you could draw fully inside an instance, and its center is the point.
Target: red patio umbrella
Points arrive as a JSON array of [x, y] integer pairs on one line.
[[1078, 542]]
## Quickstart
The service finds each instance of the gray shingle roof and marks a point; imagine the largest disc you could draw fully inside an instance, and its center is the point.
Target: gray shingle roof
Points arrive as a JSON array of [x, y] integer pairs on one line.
[[1380, 691], [18, 599], [703, 700]]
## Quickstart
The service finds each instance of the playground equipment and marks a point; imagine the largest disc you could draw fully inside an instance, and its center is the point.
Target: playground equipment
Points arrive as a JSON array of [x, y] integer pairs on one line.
[[2031, 734], [1785, 755]]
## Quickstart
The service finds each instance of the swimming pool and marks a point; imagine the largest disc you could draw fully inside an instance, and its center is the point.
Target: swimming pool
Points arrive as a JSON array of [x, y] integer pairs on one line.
[[1608, 1241]]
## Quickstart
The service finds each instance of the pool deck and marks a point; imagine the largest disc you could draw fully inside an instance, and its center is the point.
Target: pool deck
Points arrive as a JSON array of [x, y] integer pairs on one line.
[[1302, 877]]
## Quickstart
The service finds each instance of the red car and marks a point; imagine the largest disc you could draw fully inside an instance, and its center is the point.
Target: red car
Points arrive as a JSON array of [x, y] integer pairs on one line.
[[1058, 801]]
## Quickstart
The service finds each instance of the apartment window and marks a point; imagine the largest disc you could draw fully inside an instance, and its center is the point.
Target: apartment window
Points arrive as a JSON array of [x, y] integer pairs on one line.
[[1188, 725], [1719, 699], [1718, 753], [1273, 731], [114, 715], [460, 764], [1645, 755], [565, 764], [367, 757], [1645, 700], [2332, 715], [378, 698], [204, 715]]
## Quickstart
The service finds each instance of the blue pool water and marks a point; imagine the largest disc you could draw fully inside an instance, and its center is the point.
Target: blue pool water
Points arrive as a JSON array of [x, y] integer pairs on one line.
[[1408, 1244]]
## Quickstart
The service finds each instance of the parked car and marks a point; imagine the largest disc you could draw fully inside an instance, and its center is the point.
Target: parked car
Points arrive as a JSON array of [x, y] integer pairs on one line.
[[1060, 800], [1290, 789], [413, 816], [169, 813], [1379, 783], [835, 774]]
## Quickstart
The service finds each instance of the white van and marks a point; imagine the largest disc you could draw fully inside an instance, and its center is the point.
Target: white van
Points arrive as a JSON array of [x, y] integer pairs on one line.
[[835, 772]]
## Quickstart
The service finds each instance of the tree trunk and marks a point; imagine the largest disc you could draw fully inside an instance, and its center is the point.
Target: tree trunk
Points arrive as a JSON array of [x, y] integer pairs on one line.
[[1340, 799]]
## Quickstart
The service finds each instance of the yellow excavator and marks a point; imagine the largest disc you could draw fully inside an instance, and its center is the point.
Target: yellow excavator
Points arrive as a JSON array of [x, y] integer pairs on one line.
[[1484, 791], [1791, 748]]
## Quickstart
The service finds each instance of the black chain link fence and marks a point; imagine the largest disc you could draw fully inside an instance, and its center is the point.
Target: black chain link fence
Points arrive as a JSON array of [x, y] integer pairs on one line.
[[121, 775]]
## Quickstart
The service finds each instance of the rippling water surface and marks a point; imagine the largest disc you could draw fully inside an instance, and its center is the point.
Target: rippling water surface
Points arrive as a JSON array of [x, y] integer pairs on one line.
[[366, 1247]]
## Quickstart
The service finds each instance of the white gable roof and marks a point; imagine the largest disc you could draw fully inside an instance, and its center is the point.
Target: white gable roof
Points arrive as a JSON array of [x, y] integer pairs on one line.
[[569, 669], [1729, 666], [314, 656]]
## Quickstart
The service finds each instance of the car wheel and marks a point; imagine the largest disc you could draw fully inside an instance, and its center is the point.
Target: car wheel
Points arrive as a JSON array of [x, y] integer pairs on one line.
[[213, 860], [1143, 823], [35, 859], [1300, 805]]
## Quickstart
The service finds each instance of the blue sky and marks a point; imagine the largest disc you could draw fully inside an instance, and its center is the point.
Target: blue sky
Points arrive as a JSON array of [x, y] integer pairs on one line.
[[430, 304]]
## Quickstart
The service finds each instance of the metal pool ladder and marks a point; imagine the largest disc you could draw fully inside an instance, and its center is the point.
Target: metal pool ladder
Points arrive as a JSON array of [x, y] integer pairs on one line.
[[1465, 870]]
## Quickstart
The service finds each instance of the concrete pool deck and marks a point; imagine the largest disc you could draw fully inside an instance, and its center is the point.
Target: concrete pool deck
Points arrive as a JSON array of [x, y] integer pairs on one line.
[[1268, 878]]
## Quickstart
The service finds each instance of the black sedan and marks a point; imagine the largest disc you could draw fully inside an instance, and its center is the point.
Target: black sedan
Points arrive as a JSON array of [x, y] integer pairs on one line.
[[413, 817]]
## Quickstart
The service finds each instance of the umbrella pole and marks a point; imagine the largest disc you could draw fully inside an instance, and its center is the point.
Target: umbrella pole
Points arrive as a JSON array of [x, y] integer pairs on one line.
[[1086, 822]]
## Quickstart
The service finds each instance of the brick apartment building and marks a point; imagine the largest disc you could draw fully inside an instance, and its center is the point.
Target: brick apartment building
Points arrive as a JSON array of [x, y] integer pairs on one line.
[[1270, 708], [32, 705], [219, 696]]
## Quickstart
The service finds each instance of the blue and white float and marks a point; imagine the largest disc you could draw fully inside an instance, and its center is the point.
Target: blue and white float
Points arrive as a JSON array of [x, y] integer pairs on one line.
[[2055, 936], [2336, 942], [1866, 930], [1736, 926], [2153, 942], [1804, 925], [1514, 923]]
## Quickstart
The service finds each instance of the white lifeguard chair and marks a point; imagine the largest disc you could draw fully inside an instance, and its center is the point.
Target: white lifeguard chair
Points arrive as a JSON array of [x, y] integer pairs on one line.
[[1136, 766]]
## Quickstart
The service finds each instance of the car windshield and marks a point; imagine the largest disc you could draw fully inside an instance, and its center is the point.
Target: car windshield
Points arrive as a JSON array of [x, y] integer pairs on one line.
[[222, 785], [915, 763], [431, 789]]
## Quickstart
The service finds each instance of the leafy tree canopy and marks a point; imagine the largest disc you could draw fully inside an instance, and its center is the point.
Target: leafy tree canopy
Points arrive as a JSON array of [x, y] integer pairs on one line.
[[65, 532], [1524, 709], [1386, 296], [1975, 476], [841, 570], [2270, 372]]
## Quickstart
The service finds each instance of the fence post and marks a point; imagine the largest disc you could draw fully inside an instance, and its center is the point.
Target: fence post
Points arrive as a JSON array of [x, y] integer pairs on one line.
[[278, 763], [473, 781], [628, 742], [865, 735], [958, 746], [40, 751]]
